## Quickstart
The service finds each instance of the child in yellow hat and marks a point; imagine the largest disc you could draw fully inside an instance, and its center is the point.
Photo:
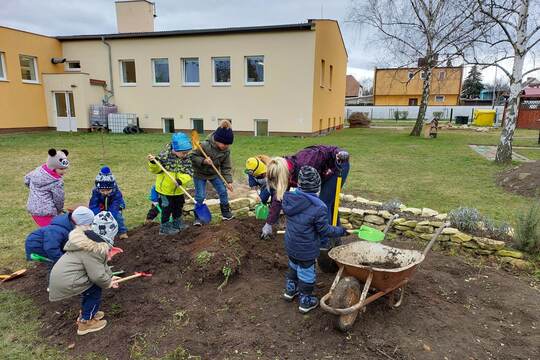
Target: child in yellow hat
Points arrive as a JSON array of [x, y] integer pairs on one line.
[[256, 172]]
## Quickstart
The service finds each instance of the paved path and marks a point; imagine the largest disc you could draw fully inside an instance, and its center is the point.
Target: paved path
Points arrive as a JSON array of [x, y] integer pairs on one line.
[[489, 151]]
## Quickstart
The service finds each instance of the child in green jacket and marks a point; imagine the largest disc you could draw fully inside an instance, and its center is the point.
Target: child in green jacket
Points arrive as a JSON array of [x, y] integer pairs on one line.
[[174, 158]]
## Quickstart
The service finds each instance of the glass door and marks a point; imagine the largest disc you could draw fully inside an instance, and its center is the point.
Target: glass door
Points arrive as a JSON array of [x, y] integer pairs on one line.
[[65, 111]]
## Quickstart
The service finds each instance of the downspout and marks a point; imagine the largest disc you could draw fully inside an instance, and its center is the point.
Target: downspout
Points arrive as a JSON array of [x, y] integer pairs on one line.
[[111, 86]]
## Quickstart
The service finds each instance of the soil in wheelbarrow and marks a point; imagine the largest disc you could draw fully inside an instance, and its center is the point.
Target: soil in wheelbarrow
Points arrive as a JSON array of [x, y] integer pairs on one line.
[[451, 309]]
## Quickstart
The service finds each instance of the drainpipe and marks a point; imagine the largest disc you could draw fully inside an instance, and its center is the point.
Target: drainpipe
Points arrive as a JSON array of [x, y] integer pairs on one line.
[[111, 86]]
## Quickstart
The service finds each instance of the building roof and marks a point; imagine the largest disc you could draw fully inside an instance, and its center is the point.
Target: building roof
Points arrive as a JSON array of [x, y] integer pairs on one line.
[[531, 92], [231, 30]]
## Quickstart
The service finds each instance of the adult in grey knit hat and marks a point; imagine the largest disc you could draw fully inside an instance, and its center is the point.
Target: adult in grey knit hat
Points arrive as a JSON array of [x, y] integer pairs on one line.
[[105, 226], [82, 216], [309, 180]]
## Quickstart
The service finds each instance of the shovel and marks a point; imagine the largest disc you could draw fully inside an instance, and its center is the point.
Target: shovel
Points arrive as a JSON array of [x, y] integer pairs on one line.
[[364, 233], [40, 258], [195, 140], [201, 210], [12, 276], [137, 274]]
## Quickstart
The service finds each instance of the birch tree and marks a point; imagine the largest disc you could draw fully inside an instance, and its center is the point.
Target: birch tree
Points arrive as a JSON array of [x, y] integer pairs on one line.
[[432, 31], [514, 34]]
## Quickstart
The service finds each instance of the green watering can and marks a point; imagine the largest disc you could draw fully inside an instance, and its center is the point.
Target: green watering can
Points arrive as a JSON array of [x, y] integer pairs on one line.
[[261, 211]]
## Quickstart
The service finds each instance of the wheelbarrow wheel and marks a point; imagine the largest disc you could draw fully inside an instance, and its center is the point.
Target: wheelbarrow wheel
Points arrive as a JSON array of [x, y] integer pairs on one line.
[[326, 264], [346, 293], [395, 298]]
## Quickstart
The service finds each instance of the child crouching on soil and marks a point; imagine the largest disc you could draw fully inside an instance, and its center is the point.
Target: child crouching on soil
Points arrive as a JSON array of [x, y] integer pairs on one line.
[[106, 196], [217, 148], [174, 158], [307, 223], [83, 270]]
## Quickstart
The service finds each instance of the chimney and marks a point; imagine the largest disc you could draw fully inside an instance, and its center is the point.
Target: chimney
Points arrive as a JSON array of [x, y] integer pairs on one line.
[[135, 16]]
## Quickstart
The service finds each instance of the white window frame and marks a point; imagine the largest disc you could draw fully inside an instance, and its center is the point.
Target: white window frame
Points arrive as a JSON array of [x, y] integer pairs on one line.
[[410, 75], [253, 83], [73, 69], [34, 61], [183, 71], [441, 97], [214, 83], [122, 82], [267, 126], [153, 64], [3, 65]]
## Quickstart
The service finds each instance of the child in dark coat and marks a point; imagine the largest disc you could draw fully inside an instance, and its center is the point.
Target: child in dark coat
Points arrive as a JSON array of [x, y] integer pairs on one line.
[[307, 223], [106, 196]]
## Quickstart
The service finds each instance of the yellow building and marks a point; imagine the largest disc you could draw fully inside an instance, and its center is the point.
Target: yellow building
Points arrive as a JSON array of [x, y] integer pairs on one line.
[[282, 79], [403, 86]]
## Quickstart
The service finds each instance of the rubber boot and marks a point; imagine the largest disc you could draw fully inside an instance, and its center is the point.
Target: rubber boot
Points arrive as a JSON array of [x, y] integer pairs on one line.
[[308, 301], [226, 213], [179, 225], [291, 290], [168, 229]]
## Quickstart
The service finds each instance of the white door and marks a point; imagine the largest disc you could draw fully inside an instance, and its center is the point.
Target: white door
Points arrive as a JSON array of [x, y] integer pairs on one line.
[[65, 111]]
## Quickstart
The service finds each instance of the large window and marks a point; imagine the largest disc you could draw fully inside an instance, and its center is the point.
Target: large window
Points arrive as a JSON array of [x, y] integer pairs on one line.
[[28, 69], [127, 73], [3, 71], [254, 70], [222, 70], [160, 69], [190, 69]]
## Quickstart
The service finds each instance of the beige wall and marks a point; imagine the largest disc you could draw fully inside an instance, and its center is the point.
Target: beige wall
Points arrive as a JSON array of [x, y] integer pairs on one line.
[[329, 96], [134, 16], [22, 105], [285, 99], [84, 95]]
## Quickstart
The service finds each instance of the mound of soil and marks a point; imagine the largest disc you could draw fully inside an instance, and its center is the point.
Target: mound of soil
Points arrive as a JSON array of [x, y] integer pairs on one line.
[[522, 180], [451, 309]]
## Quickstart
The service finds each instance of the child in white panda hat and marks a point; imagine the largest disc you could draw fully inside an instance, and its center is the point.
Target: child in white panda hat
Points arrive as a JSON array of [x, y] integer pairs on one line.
[[46, 185]]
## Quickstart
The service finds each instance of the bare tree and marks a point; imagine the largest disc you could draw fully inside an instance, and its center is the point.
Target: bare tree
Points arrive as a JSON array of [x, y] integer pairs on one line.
[[514, 33], [427, 32]]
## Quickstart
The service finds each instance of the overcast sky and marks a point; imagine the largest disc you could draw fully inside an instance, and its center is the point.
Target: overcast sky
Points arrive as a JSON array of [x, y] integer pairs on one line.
[[75, 17]]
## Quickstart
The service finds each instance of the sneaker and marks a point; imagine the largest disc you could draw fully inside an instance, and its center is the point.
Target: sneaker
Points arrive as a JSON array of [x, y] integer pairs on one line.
[[197, 222], [168, 229], [291, 290], [226, 213], [87, 326], [123, 236], [178, 224], [307, 303]]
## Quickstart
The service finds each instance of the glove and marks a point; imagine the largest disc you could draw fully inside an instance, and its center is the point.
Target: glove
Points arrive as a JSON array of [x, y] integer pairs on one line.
[[343, 231], [266, 232], [342, 157]]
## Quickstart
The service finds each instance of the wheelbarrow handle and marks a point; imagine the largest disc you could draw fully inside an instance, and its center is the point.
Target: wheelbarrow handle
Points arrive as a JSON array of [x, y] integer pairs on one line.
[[173, 179], [434, 238]]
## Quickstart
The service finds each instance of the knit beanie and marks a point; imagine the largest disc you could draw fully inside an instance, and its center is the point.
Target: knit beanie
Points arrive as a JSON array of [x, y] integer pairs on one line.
[[180, 142], [309, 180], [105, 179], [105, 226], [57, 159], [82, 216], [224, 133]]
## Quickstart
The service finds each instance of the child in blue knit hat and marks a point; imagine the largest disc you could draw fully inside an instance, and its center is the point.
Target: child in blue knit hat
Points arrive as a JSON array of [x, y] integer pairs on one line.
[[106, 196]]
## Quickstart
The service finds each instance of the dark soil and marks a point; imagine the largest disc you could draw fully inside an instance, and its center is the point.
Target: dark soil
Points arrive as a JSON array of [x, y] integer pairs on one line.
[[383, 265], [522, 180], [451, 309]]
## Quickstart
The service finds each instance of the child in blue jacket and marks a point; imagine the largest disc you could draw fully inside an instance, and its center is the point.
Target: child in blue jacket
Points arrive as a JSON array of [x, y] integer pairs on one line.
[[155, 210], [307, 223], [106, 196], [49, 241]]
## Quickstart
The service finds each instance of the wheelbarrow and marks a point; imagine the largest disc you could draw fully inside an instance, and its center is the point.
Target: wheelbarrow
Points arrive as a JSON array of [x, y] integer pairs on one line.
[[384, 269]]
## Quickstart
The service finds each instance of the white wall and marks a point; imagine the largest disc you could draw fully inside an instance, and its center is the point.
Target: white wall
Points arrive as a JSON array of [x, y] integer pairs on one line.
[[387, 112]]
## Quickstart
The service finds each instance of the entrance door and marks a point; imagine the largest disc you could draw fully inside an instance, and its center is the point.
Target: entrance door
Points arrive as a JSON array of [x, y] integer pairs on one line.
[[198, 125], [65, 111]]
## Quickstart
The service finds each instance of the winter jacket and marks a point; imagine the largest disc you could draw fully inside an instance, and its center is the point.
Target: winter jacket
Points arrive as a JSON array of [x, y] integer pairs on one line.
[[320, 157], [114, 202], [153, 196], [83, 265], [46, 197], [307, 223], [49, 241], [164, 184], [221, 159]]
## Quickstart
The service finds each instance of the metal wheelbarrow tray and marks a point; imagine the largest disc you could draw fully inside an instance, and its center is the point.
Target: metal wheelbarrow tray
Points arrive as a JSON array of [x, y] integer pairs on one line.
[[358, 263]]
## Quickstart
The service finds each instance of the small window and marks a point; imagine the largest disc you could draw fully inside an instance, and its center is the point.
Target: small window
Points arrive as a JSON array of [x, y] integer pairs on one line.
[[3, 71], [190, 69], [160, 68], [254, 70], [323, 69], [198, 125], [423, 75], [439, 98], [222, 70], [331, 76], [320, 126], [28, 69], [413, 102], [410, 75], [261, 127], [168, 125], [442, 75], [73, 65], [127, 73]]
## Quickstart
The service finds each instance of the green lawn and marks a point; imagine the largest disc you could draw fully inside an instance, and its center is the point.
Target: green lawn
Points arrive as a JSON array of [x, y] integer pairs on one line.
[[442, 174]]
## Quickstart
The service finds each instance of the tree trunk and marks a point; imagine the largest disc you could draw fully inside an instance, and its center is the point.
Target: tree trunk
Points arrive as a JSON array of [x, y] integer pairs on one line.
[[423, 104]]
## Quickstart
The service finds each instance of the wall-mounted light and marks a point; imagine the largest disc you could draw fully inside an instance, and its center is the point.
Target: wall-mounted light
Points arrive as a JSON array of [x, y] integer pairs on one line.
[[55, 60]]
